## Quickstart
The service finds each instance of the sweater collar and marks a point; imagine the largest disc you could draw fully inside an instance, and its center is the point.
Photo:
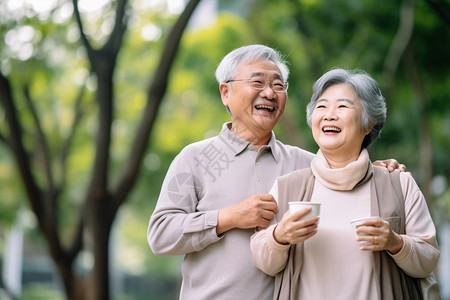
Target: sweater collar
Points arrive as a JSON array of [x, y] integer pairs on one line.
[[238, 145], [343, 179]]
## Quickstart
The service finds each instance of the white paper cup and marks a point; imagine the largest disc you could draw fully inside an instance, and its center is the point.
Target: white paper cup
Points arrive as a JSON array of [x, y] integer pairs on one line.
[[299, 205], [356, 223]]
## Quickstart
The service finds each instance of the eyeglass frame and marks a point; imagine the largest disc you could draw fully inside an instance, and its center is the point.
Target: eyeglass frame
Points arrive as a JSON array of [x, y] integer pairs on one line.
[[249, 80]]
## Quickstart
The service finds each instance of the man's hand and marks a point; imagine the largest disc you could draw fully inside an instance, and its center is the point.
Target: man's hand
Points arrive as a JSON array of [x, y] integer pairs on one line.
[[255, 211], [390, 164]]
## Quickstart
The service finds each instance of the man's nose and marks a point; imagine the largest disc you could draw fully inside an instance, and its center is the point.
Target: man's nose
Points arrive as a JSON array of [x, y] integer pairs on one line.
[[268, 91]]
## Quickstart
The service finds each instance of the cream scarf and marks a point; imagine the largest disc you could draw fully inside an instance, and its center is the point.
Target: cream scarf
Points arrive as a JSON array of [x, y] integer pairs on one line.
[[342, 179]]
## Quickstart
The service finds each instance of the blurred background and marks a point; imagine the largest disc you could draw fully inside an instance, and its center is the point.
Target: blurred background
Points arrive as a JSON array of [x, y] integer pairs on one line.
[[98, 96]]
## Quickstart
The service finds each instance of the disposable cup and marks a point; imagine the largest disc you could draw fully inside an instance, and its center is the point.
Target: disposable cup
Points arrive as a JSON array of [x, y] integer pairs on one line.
[[356, 223], [298, 205]]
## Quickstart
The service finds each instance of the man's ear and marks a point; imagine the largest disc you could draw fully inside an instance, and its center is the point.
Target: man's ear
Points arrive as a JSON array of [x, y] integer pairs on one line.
[[224, 92]]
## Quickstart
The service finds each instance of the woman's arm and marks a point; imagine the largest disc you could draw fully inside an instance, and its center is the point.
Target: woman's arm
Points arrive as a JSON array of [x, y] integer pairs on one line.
[[268, 255], [419, 254]]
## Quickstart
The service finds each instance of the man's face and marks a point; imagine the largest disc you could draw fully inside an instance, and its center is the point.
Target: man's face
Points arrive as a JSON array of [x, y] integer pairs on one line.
[[254, 112]]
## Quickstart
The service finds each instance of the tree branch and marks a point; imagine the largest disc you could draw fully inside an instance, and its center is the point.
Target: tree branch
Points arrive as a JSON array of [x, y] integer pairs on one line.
[[42, 141], [443, 12], [102, 63], [120, 26], [424, 137], [83, 36], [155, 94], [77, 241], [399, 44], [65, 150], [18, 149], [34, 193], [3, 139]]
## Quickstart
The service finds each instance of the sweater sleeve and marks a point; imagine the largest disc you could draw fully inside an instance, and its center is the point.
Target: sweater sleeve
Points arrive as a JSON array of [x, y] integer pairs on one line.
[[176, 227], [419, 255], [268, 255]]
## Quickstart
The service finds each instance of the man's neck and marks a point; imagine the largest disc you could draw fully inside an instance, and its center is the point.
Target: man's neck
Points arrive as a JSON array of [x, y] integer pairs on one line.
[[256, 138]]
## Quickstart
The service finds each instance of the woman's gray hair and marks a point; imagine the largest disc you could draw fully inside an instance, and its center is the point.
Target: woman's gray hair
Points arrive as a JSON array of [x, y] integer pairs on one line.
[[229, 66], [374, 106]]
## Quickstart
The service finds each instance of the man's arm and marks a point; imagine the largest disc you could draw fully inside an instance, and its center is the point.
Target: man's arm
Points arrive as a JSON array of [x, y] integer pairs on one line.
[[176, 227]]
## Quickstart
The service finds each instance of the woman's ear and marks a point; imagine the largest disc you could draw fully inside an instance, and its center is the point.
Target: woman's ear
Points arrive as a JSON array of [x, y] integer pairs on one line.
[[369, 130]]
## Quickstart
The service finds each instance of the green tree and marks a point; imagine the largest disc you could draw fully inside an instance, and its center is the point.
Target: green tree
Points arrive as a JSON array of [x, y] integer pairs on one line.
[[315, 36], [403, 44], [44, 157]]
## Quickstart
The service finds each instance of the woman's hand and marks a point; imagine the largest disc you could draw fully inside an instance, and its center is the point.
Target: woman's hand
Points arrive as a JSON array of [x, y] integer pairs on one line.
[[291, 230], [380, 236]]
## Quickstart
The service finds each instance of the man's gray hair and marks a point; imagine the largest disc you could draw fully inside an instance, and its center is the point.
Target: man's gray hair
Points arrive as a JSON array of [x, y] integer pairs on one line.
[[373, 103], [229, 66]]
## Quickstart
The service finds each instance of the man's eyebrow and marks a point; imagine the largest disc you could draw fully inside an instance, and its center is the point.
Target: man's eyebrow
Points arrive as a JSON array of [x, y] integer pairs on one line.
[[256, 74], [261, 74]]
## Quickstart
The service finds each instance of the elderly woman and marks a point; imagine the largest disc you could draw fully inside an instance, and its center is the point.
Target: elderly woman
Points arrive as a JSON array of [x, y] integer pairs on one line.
[[394, 254]]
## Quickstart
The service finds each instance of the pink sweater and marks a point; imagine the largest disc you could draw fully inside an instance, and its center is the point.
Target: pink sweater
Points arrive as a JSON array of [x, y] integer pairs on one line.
[[333, 265]]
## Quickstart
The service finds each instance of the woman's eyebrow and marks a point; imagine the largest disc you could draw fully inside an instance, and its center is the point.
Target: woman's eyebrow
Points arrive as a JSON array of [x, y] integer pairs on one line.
[[346, 100], [338, 100]]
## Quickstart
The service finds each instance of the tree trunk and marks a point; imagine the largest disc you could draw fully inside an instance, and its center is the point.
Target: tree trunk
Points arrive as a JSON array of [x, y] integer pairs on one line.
[[425, 145], [101, 200]]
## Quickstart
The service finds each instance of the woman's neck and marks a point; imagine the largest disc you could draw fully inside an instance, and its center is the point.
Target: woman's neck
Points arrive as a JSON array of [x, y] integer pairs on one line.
[[336, 161]]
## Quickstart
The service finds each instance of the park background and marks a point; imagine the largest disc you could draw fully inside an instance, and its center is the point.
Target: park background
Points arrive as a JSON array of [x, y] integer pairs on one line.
[[98, 96]]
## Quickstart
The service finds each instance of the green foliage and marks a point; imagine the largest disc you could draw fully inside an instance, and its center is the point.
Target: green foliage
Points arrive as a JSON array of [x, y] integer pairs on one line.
[[315, 36], [40, 292]]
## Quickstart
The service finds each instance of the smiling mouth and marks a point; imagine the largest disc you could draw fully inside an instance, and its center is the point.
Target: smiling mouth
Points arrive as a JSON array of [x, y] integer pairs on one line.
[[265, 107], [331, 129]]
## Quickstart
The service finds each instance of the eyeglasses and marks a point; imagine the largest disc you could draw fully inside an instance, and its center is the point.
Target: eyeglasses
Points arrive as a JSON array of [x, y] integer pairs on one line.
[[260, 84]]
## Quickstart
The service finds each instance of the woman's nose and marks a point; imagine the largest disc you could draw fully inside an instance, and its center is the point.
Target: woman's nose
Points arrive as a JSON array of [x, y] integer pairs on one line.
[[330, 114]]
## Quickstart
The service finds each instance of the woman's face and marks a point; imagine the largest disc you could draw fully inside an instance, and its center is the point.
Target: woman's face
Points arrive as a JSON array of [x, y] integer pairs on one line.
[[336, 121]]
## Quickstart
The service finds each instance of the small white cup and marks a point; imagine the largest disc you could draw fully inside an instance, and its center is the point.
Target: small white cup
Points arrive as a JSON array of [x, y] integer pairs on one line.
[[357, 222], [298, 205]]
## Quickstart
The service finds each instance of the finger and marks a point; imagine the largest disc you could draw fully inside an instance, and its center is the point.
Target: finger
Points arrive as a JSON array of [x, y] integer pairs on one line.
[[374, 243], [303, 227], [263, 224], [393, 164], [402, 168], [301, 213], [266, 197], [269, 206], [366, 241], [379, 163], [304, 237], [375, 221], [267, 215], [369, 231]]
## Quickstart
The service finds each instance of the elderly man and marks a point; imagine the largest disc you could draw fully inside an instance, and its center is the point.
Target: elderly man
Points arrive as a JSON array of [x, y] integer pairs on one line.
[[215, 192]]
